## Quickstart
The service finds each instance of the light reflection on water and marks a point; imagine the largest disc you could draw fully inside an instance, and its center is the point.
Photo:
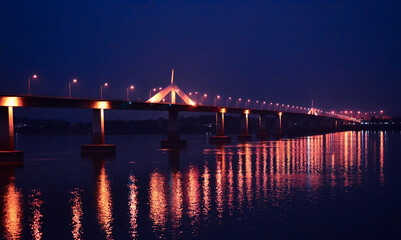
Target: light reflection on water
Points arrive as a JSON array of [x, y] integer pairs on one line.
[[228, 181], [36, 218], [12, 212], [76, 213], [104, 203]]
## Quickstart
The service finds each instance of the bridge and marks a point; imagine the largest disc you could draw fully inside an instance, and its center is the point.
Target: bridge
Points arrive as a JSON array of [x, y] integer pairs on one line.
[[283, 120], [289, 120]]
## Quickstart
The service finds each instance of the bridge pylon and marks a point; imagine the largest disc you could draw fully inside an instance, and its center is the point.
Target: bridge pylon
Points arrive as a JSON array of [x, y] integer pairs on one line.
[[171, 89]]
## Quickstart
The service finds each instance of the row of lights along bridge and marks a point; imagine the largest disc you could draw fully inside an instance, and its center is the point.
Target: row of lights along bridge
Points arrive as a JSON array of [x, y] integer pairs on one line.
[[218, 100]]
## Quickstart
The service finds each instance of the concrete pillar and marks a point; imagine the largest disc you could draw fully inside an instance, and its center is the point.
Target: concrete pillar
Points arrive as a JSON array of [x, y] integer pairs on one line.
[[244, 135], [98, 145], [6, 129], [220, 138], [173, 125], [279, 130], [173, 141], [219, 124], [7, 152], [98, 126], [262, 134]]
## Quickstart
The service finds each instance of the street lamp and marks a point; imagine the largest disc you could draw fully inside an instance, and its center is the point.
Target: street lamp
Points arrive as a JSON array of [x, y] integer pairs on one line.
[[69, 86], [238, 101], [150, 92], [34, 76], [247, 102], [216, 99], [229, 99], [130, 88], [203, 97], [101, 89]]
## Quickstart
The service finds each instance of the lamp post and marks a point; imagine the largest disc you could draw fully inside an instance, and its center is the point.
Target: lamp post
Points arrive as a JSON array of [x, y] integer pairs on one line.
[[238, 101], [34, 76], [69, 86], [229, 99], [247, 102], [204, 96], [130, 88], [216, 99], [101, 89], [150, 92]]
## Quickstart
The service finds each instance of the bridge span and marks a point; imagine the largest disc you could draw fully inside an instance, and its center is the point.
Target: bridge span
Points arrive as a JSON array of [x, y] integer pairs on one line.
[[284, 121]]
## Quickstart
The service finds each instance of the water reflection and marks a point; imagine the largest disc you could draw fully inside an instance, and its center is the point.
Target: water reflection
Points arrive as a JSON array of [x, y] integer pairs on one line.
[[158, 201], [36, 218], [133, 206], [228, 182], [12, 212], [76, 213], [104, 202]]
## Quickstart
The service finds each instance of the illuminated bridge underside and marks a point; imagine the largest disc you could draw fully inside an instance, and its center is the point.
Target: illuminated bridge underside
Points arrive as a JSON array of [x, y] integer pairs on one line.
[[61, 102]]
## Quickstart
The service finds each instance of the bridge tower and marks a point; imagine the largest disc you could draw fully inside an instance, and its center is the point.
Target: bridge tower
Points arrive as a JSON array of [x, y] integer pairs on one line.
[[312, 110], [173, 140]]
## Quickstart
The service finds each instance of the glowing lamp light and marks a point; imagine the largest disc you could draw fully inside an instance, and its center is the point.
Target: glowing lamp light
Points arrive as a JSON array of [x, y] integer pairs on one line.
[[247, 111], [74, 80], [280, 114], [35, 76], [132, 87], [218, 96], [10, 102], [381, 111], [229, 98], [102, 105], [223, 110], [205, 95], [106, 84]]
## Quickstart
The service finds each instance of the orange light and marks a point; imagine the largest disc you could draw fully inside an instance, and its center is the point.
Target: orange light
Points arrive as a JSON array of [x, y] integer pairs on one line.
[[74, 80], [280, 114], [247, 111], [10, 102], [223, 110], [190, 94], [35, 76], [205, 95], [218, 96], [106, 84], [160, 88], [381, 111], [132, 87], [102, 105]]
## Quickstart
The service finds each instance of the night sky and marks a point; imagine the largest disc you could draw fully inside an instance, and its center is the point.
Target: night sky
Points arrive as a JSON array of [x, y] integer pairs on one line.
[[341, 54]]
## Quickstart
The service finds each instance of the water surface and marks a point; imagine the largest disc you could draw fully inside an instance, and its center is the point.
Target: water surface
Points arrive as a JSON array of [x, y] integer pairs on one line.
[[340, 185]]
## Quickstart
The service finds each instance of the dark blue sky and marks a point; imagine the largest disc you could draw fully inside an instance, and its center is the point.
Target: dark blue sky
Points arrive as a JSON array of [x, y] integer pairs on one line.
[[342, 54]]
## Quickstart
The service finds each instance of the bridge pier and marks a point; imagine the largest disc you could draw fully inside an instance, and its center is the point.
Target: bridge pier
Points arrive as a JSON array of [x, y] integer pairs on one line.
[[244, 135], [220, 138], [279, 126], [262, 134], [98, 144], [173, 141], [7, 152]]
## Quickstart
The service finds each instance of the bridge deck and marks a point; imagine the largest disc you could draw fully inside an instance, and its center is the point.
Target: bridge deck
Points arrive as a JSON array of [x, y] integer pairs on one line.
[[64, 102]]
